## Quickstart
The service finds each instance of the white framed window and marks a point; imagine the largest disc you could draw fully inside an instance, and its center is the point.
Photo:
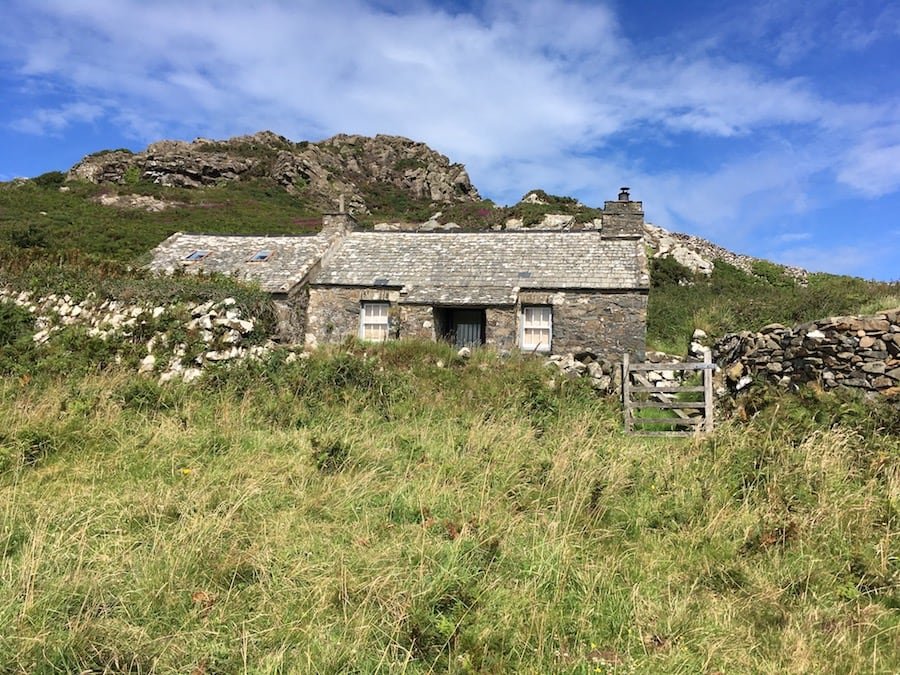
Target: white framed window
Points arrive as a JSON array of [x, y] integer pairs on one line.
[[373, 321], [537, 328]]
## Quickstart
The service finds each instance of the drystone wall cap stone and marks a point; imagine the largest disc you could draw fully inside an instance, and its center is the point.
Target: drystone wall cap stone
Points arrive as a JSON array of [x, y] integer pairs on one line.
[[873, 324]]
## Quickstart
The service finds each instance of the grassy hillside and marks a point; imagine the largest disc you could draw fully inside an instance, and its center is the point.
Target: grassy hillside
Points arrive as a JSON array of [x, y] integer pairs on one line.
[[399, 510], [35, 214], [730, 300], [36, 217]]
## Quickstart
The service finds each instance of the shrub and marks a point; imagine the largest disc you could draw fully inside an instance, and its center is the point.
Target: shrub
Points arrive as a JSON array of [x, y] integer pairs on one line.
[[669, 272], [132, 175], [50, 179], [29, 236], [15, 323], [774, 274]]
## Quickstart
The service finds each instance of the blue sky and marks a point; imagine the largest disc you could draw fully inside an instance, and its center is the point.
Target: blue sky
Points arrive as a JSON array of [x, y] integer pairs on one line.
[[769, 127]]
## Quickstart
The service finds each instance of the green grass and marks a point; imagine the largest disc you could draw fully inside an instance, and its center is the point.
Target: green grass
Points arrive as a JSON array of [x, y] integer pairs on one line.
[[730, 300], [38, 215], [367, 510]]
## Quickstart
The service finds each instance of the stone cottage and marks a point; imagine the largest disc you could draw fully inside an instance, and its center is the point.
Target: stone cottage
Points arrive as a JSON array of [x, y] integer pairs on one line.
[[557, 291]]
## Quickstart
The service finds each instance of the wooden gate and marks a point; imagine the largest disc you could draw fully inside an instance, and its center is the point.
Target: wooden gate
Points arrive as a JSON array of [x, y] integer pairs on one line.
[[645, 402]]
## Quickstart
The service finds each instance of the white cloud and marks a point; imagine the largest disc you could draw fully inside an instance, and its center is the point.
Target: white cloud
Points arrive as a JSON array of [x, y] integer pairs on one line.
[[53, 121], [873, 166], [790, 237], [524, 77], [528, 94]]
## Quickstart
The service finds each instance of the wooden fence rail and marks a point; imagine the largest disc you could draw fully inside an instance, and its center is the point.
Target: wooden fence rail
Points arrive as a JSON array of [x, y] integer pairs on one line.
[[640, 394]]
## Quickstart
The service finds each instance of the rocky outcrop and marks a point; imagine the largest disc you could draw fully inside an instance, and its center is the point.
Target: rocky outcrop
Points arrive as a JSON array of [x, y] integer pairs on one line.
[[699, 255], [342, 165], [862, 352], [137, 202]]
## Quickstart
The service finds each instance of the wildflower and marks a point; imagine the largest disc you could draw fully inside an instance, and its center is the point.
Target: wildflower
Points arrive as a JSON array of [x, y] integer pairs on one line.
[[186, 472]]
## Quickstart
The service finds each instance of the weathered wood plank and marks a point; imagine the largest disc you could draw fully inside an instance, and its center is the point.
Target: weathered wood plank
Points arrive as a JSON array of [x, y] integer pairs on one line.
[[643, 389], [626, 392], [674, 421], [687, 412], [670, 405], [643, 367], [709, 409]]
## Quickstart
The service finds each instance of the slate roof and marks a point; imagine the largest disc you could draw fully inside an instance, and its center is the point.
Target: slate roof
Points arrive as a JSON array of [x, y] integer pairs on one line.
[[292, 257], [484, 267], [447, 268]]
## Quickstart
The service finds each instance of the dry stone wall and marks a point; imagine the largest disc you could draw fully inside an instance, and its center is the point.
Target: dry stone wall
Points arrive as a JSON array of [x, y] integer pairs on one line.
[[862, 352], [174, 341]]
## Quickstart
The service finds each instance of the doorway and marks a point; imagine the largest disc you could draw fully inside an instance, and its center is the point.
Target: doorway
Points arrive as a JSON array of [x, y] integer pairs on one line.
[[460, 327]]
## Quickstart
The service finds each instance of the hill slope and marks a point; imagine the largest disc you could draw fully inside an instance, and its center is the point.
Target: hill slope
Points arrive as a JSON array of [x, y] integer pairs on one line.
[[118, 205]]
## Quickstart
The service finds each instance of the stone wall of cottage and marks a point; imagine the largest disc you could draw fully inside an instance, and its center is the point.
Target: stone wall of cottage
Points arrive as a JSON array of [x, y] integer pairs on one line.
[[604, 324], [862, 352], [332, 314], [416, 321], [290, 315], [501, 328]]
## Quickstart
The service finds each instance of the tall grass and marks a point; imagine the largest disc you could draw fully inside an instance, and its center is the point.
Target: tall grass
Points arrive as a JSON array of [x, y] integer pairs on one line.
[[397, 509], [730, 300]]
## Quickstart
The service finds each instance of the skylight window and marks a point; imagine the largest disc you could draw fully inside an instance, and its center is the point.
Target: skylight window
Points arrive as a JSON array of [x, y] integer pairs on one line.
[[194, 256], [261, 256]]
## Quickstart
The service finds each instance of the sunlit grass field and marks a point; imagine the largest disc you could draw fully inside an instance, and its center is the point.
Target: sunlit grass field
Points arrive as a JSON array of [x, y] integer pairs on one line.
[[402, 510]]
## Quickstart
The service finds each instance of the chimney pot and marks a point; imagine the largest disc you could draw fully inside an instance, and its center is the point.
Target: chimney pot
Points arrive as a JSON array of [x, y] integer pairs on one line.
[[623, 194]]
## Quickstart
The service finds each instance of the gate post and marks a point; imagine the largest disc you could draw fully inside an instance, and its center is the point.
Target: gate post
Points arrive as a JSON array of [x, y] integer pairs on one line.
[[708, 408], [626, 392]]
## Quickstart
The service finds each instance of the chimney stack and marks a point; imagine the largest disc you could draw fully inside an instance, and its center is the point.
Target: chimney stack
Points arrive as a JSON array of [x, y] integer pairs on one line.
[[623, 218]]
